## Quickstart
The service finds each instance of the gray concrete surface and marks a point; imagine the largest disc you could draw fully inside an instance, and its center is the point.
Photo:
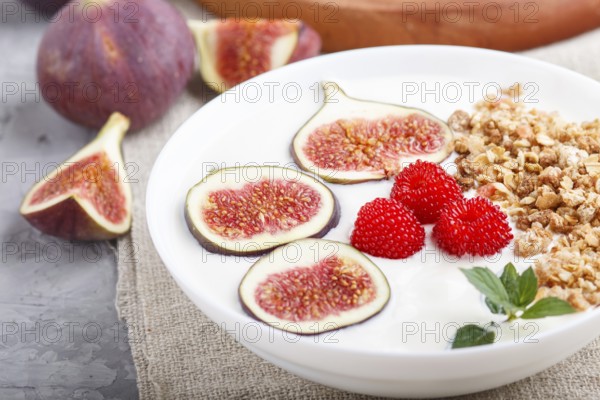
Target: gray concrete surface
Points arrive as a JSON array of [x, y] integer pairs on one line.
[[60, 334]]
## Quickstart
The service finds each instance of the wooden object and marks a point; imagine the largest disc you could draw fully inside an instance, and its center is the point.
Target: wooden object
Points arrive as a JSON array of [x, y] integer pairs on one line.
[[501, 24]]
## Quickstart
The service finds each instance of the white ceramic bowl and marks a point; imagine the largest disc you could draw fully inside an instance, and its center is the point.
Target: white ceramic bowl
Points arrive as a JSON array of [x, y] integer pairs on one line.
[[255, 122]]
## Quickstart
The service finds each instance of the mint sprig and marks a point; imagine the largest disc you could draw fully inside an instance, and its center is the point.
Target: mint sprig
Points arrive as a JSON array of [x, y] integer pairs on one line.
[[511, 294], [491, 286], [521, 289], [473, 335], [546, 307]]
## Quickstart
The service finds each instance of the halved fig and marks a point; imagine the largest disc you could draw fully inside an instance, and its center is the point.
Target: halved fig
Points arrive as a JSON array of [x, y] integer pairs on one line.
[[87, 197], [234, 50], [252, 209], [351, 140], [312, 286]]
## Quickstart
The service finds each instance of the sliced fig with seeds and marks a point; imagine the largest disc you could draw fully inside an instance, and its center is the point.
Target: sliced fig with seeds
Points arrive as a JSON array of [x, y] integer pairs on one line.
[[234, 50], [314, 285], [351, 140], [252, 209], [87, 196]]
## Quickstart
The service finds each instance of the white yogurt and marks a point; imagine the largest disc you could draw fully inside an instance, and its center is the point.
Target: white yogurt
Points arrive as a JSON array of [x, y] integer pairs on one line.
[[430, 297]]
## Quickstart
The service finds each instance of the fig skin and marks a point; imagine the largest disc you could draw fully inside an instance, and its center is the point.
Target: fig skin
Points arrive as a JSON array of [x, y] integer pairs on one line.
[[309, 44], [310, 242], [336, 92], [213, 247], [69, 218], [306, 43], [135, 59], [252, 314]]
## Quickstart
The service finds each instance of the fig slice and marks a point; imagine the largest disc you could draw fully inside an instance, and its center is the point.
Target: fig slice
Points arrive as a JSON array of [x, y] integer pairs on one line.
[[235, 50], [351, 140], [312, 286], [87, 197], [249, 210]]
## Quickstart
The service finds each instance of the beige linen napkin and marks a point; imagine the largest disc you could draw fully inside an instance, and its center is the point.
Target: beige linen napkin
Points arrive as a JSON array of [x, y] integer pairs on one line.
[[179, 353]]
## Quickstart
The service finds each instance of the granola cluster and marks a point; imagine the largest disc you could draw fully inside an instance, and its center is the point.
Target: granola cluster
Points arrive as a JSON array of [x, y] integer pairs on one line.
[[545, 174]]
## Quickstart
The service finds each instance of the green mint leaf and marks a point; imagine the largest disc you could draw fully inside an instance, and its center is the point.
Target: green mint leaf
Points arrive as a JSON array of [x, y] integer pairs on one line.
[[490, 285], [494, 308], [528, 287], [547, 307], [510, 280], [472, 335]]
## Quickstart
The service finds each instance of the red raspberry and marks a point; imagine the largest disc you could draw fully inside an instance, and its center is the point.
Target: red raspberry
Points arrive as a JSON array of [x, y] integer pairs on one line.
[[425, 188], [385, 228], [474, 226]]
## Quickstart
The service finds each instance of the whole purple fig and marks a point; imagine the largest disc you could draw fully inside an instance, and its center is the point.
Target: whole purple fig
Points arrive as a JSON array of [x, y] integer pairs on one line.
[[130, 56]]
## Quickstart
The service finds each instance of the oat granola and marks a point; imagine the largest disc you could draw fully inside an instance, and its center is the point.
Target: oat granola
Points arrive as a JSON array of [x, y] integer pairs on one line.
[[545, 173]]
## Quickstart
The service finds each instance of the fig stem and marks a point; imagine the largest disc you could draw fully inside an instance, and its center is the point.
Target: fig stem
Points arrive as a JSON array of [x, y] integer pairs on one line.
[[332, 90], [115, 127], [85, 3]]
